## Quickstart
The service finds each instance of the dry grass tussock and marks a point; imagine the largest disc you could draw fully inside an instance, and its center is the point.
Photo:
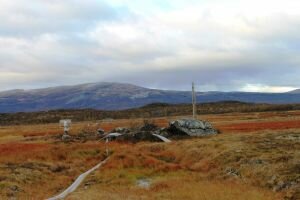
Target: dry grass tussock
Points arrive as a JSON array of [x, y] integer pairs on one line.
[[224, 167]]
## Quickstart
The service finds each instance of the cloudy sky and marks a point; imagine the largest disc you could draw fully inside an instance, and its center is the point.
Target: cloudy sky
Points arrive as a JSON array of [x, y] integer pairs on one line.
[[245, 45]]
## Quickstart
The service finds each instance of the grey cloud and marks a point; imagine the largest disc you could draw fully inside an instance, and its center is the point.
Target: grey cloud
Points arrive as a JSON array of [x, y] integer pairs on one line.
[[67, 42], [21, 18]]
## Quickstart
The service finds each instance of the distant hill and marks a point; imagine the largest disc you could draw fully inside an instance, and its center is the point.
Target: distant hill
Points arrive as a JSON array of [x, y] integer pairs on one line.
[[118, 96], [295, 91]]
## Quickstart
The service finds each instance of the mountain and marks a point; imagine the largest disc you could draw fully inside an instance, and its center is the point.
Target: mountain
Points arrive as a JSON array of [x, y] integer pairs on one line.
[[297, 91], [117, 96]]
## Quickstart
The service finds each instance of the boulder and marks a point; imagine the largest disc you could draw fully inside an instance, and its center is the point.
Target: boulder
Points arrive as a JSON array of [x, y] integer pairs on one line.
[[191, 127]]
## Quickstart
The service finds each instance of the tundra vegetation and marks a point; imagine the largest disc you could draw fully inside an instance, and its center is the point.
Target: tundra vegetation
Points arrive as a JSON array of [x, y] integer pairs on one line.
[[256, 157]]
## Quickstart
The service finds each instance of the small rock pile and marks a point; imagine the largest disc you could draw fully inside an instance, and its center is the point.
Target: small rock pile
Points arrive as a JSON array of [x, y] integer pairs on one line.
[[182, 127], [177, 129], [143, 133]]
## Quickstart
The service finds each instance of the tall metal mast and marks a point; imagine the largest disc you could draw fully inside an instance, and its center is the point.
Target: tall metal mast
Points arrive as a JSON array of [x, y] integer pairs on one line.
[[194, 101]]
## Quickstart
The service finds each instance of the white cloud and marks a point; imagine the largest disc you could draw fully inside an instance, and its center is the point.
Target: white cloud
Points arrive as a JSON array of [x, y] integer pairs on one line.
[[266, 88]]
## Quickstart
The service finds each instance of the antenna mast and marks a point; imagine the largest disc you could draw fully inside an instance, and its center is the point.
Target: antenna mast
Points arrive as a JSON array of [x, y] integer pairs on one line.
[[194, 101]]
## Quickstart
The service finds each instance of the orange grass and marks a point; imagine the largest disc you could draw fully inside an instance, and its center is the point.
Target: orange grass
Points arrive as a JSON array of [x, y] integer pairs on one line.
[[19, 149], [258, 126]]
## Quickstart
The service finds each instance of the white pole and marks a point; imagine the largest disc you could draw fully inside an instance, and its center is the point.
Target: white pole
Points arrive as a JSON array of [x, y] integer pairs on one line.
[[194, 101]]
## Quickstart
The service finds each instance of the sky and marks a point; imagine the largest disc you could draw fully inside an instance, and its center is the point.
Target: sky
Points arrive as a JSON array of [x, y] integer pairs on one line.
[[232, 45]]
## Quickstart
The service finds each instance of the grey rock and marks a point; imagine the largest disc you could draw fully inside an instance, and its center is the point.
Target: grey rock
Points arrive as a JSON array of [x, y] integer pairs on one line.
[[192, 127]]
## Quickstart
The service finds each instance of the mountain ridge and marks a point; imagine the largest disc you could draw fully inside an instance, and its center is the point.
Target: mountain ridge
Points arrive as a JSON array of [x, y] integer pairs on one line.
[[297, 91], [118, 96]]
